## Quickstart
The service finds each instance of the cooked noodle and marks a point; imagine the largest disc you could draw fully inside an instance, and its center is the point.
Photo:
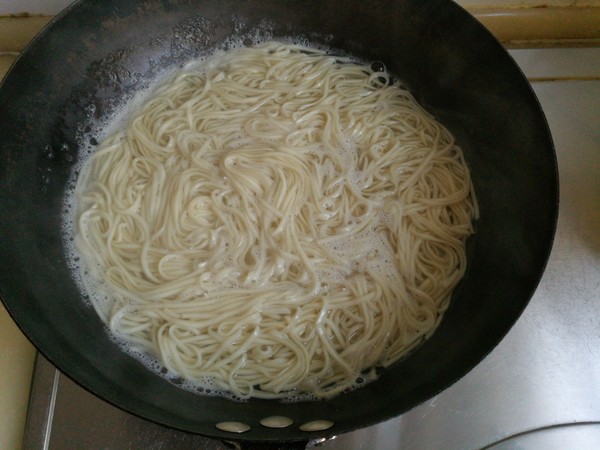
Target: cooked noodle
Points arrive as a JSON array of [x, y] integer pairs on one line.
[[280, 221]]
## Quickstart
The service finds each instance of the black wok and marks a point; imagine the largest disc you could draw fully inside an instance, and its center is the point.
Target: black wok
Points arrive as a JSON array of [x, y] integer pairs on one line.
[[99, 52]]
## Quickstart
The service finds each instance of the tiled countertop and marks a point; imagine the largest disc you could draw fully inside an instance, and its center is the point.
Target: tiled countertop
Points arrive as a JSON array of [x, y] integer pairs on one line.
[[555, 73]]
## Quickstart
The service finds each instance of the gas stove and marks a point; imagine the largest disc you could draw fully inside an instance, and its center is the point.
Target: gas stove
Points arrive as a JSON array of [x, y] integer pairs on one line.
[[538, 389]]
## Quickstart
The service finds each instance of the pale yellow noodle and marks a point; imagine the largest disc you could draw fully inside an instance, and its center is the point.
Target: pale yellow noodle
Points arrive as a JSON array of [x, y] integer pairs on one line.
[[281, 221]]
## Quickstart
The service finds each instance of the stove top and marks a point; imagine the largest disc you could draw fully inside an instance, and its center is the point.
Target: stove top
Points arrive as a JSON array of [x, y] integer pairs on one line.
[[537, 389]]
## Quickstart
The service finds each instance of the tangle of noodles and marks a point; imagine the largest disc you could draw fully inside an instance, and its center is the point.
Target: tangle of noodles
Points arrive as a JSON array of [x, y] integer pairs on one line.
[[280, 221]]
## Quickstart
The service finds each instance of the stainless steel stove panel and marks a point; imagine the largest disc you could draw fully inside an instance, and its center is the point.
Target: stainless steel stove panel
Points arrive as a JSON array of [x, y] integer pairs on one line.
[[538, 389]]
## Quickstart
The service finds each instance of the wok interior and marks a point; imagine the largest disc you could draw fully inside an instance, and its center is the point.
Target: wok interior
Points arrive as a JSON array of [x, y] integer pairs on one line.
[[99, 52]]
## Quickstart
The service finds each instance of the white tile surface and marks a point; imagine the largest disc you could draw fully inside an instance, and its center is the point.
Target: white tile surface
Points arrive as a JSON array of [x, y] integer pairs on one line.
[[559, 63]]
